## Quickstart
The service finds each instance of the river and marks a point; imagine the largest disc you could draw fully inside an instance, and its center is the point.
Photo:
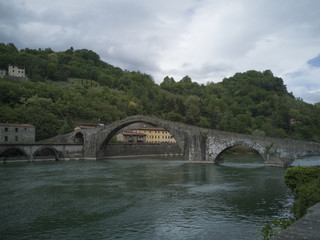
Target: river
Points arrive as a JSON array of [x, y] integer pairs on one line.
[[140, 199]]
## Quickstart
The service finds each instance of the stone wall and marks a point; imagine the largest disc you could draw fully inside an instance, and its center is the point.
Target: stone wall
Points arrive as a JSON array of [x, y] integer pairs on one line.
[[141, 149], [306, 227]]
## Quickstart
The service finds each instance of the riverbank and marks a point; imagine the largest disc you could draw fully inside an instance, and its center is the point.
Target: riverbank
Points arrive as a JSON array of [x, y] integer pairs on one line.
[[307, 227]]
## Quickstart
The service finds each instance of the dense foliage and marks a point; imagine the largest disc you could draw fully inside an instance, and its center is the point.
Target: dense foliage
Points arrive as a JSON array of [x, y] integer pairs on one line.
[[272, 229], [75, 87], [304, 182]]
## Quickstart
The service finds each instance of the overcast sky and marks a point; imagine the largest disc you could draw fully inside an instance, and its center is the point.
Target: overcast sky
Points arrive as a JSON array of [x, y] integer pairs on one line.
[[207, 40]]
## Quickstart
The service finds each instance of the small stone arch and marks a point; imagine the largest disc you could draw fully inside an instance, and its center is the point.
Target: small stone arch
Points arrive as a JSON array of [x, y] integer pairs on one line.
[[219, 159], [13, 153], [126, 122], [46, 152], [79, 138]]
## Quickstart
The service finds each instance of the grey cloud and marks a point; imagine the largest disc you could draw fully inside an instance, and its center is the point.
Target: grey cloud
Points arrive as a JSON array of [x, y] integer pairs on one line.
[[207, 72], [207, 40]]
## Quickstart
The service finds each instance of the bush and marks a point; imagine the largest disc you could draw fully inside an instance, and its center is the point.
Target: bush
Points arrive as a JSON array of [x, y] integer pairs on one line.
[[307, 196], [304, 182], [296, 176]]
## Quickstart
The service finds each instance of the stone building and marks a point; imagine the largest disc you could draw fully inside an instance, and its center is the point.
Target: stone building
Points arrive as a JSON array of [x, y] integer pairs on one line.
[[17, 133], [16, 71], [2, 73]]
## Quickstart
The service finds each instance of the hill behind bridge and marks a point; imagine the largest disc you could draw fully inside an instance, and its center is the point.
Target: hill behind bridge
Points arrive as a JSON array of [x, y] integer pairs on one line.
[[75, 87]]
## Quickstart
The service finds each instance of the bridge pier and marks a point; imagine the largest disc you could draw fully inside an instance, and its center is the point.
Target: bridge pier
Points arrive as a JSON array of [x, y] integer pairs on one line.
[[276, 161]]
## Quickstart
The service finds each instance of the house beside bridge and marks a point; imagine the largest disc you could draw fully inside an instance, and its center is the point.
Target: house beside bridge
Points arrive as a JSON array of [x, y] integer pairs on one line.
[[17, 133]]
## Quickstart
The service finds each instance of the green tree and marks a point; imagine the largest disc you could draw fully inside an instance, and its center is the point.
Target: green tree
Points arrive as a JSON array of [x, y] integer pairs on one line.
[[192, 105], [304, 182], [40, 112]]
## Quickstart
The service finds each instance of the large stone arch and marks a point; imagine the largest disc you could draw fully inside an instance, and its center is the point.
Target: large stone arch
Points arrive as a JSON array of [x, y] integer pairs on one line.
[[112, 129], [8, 153], [255, 148], [47, 151]]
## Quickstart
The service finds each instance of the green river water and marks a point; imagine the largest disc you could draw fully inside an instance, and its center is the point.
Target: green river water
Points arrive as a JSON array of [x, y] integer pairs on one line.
[[140, 199]]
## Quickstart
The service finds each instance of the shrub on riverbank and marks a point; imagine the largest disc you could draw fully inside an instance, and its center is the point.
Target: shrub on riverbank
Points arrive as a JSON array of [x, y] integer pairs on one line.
[[304, 182]]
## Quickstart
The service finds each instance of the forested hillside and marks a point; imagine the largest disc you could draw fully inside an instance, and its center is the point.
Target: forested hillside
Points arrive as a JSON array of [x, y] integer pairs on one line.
[[76, 87]]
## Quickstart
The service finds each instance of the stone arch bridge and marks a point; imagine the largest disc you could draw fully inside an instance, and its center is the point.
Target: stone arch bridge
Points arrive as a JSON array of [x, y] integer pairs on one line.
[[198, 145]]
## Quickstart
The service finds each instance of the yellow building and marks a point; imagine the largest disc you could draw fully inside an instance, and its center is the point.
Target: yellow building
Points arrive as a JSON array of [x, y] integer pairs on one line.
[[156, 135]]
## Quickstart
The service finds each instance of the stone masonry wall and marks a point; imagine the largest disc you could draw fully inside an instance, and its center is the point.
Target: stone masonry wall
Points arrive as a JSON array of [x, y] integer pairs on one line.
[[141, 149]]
